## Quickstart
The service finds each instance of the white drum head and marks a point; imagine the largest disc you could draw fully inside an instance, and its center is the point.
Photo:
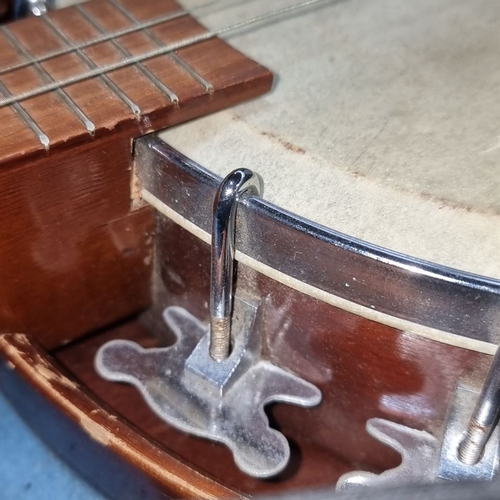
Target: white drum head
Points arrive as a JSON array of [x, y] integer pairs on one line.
[[384, 122]]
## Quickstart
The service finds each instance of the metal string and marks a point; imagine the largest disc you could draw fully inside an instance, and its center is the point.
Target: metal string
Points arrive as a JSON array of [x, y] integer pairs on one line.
[[157, 52], [47, 78], [158, 42], [106, 37], [143, 69]]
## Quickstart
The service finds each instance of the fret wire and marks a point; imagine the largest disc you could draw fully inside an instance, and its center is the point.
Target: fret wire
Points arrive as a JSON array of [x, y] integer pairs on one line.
[[188, 68], [95, 41], [27, 119], [47, 78], [191, 71], [105, 78], [151, 76], [160, 51], [105, 69], [110, 36]]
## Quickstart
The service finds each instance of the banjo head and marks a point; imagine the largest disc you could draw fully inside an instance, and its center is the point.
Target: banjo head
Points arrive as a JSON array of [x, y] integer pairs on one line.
[[382, 124]]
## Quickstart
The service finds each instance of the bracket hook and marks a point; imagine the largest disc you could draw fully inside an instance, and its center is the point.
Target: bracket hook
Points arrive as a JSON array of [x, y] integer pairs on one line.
[[200, 385], [226, 201]]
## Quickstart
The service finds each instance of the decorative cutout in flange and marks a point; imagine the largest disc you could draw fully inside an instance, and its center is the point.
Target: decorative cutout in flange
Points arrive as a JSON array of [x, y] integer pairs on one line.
[[223, 401], [419, 457]]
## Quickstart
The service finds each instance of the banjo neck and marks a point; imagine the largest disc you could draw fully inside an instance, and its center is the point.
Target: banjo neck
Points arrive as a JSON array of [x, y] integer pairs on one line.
[[75, 226], [61, 88]]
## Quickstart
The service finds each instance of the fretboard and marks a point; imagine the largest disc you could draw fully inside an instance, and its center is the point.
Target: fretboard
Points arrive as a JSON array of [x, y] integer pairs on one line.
[[67, 77]]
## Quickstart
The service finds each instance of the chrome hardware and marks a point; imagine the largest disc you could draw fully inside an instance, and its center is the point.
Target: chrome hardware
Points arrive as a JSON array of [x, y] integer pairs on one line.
[[427, 459], [37, 7], [451, 466], [23, 8], [484, 417], [221, 293], [220, 399], [419, 457]]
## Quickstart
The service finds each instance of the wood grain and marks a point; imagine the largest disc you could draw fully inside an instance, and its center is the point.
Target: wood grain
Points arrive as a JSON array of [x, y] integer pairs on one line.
[[74, 254], [233, 76], [108, 451], [364, 369]]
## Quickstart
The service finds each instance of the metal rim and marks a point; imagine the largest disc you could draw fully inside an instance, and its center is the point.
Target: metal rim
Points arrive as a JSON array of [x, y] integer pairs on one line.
[[382, 280]]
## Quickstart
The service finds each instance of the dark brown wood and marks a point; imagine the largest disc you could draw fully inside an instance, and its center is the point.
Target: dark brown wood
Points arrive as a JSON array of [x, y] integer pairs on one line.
[[363, 368], [233, 76], [108, 451], [73, 256], [75, 252], [5, 10]]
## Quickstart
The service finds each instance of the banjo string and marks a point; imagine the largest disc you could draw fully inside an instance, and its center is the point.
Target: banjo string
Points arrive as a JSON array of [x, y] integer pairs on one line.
[[107, 37], [128, 61]]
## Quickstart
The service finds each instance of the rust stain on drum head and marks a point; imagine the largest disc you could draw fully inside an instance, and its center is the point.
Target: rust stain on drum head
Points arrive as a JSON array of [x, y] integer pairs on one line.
[[288, 145]]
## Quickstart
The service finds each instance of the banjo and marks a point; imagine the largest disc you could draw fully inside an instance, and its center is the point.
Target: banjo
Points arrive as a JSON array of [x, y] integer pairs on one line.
[[379, 127]]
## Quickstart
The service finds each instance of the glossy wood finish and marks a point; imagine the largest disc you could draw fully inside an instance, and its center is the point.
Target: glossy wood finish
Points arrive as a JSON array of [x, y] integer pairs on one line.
[[73, 255], [108, 451], [364, 370], [233, 77], [77, 244], [75, 252]]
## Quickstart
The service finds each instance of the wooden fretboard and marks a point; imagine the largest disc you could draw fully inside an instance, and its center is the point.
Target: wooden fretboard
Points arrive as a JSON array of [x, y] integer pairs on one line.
[[153, 94]]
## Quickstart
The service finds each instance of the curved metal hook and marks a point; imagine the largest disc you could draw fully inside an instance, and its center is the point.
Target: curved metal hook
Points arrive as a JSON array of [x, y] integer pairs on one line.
[[231, 189]]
